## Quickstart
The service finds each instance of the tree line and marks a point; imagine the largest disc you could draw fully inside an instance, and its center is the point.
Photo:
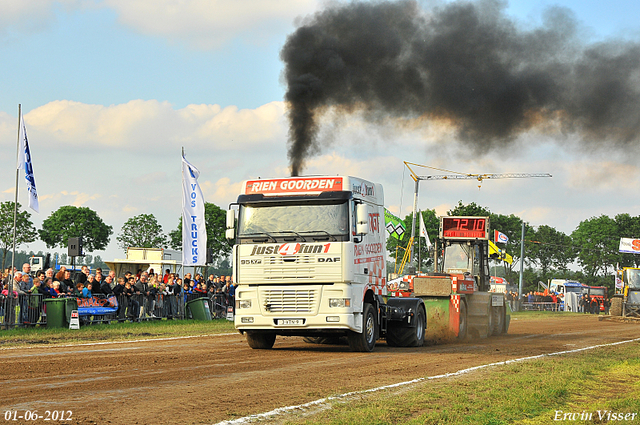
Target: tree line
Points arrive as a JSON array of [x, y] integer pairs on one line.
[[592, 248], [142, 231]]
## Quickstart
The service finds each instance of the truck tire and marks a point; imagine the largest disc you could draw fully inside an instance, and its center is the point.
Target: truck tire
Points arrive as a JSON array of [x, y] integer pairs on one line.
[[497, 320], [322, 340], [260, 340], [491, 321], [365, 341], [616, 306], [408, 337], [462, 327]]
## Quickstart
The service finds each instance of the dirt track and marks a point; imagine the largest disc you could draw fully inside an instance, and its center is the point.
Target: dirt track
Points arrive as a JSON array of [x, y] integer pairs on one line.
[[213, 378]]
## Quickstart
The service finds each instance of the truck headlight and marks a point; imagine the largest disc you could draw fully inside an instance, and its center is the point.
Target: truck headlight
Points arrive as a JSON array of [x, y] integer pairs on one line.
[[339, 302], [403, 286], [243, 304]]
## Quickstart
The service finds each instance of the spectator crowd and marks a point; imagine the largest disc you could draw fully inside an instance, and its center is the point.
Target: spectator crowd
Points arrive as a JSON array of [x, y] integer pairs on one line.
[[142, 294]]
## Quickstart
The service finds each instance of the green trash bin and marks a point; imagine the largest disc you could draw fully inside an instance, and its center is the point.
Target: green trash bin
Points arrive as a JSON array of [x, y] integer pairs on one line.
[[55, 312], [71, 304], [199, 309]]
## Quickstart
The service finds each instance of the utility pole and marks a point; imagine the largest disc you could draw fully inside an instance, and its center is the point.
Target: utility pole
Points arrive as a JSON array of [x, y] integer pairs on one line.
[[521, 268]]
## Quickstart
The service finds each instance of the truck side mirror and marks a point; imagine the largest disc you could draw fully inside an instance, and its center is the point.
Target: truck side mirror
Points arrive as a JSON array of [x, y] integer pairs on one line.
[[231, 222], [362, 219]]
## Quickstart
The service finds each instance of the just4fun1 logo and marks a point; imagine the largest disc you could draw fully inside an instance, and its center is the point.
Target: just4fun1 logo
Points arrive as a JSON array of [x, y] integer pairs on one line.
[[291, 249]]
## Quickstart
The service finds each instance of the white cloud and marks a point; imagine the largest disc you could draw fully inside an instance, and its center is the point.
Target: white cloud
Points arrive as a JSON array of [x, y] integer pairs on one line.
[[32, 15], [602, 175], [201, 24], [208, 24], [149, 125]]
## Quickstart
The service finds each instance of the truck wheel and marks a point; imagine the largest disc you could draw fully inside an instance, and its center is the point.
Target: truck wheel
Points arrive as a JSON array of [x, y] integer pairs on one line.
[[497, 320], [491, 321], [365, 341], [462, 327], [616, 306], [261, 341], [408, 337]]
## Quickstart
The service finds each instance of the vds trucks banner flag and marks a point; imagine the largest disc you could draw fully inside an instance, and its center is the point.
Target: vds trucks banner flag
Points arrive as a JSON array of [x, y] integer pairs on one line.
[[630, 246], [24, 162], [194, 233]]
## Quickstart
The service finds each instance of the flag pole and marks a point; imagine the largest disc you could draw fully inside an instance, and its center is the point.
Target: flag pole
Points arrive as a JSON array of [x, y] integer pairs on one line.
[[15, 220], [420, 234]]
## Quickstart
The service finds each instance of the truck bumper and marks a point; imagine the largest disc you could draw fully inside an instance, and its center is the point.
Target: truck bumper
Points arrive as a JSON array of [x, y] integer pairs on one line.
[[300, 325], [298, 309]]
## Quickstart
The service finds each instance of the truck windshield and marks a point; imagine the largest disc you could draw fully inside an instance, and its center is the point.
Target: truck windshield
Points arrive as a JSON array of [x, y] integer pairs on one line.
[[457, 257], [287, 220], [599, 292], [632, 278], [576, 289]]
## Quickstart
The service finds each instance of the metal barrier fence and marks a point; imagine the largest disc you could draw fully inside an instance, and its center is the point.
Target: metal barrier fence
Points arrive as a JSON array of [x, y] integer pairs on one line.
[[31, 310], [541, 306]]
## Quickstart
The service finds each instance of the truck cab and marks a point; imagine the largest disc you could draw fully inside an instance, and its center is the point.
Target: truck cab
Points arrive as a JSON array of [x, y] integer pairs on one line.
[[626, 301], [309, 254]]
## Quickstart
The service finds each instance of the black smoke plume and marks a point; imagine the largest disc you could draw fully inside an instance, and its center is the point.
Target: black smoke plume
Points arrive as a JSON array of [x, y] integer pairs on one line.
[[466, 63]]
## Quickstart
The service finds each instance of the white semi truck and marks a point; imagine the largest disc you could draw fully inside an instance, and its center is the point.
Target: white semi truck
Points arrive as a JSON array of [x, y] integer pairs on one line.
[[310, 260]]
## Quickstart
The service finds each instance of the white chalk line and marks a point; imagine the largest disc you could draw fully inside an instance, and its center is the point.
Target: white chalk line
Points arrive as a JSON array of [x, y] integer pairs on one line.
[[283, 410], [129, 341]]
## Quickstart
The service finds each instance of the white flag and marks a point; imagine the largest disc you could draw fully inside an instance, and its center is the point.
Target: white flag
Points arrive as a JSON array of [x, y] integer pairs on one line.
[[499, 237], [423, 232], [194, 233], [24, 162]]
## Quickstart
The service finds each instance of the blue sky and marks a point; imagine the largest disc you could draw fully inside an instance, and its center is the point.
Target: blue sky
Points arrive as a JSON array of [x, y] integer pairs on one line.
[[112, 89]]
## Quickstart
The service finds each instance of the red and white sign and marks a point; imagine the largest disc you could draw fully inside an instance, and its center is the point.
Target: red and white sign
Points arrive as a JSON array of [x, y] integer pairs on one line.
[[630, 246], [293, 185], [464, 228]]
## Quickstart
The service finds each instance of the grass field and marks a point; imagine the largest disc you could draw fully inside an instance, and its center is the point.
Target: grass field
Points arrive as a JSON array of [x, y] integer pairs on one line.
[[583, 388], [113, 332]]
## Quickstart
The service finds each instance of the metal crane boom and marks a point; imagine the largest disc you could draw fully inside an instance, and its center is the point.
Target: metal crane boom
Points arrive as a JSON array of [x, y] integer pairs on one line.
[[481, 177]]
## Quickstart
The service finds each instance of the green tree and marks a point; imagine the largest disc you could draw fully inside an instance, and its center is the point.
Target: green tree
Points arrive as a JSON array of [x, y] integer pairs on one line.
[[215, 220], [98, 262], [142, 231], [628, 227], [597, 241], [25, 230], [471, 210], [72, 222], [550, 249]]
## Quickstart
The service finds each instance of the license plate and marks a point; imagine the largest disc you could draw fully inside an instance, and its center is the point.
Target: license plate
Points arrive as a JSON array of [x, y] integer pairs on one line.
[[290, 322]]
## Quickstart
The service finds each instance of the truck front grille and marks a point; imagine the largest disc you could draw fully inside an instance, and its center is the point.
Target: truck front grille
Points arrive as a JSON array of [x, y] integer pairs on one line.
[[289, 300]]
